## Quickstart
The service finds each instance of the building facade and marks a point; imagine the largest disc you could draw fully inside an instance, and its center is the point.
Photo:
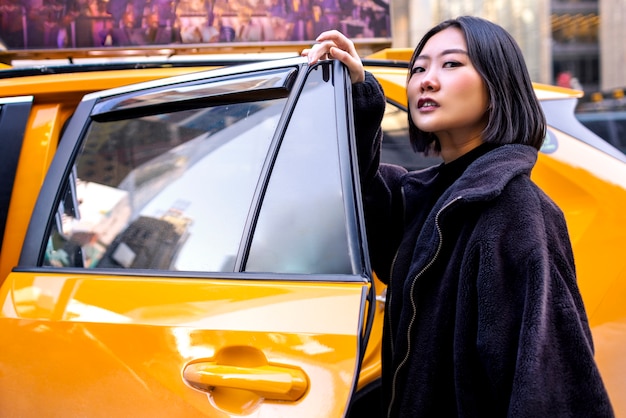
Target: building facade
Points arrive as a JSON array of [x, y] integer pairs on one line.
[[580, 43]]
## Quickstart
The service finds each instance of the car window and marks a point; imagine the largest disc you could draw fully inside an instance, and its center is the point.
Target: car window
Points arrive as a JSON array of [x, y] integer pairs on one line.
[[560, 115], [14, 113], [609, 125], [302, 226], [168, 191], [396, 148]]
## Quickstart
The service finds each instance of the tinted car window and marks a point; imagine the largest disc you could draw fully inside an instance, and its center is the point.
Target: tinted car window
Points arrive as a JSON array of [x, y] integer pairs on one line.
[[166, 191], [610, 126], [302, 225], [560, 115], [396, 147], [14, 113]]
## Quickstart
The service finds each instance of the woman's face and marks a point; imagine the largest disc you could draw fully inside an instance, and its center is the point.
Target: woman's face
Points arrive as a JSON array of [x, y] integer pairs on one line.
[[446, 94]]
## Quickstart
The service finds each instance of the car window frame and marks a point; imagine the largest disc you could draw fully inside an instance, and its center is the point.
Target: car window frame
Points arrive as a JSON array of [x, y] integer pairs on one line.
[[34, 247]]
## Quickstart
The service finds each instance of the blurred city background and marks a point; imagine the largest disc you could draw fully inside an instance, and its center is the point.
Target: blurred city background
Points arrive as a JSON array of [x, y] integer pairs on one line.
[[573, 43]]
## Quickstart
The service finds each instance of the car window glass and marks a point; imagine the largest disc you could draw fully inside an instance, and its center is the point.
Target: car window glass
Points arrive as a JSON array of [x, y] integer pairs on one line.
[[620, 134], [302, 223], [560, 115], [396, 147], [609, 125], [168, 191], [600, 128], [14, 113]]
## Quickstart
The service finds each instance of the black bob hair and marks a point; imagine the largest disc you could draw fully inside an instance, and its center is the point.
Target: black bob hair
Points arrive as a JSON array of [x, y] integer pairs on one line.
[[514, 114]]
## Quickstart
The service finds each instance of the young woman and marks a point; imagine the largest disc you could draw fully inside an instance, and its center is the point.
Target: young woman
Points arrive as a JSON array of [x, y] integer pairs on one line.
[[483, 314]]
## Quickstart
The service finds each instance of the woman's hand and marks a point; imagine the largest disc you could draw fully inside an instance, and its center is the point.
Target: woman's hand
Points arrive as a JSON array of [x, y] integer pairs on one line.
[[334, 44]]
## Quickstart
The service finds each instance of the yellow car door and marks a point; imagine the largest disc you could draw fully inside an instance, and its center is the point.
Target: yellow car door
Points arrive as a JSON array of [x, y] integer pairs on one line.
[[196, 250]]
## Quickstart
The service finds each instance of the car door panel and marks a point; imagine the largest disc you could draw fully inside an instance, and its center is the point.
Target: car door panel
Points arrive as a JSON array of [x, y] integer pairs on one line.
[[143, 335], [179, 325]]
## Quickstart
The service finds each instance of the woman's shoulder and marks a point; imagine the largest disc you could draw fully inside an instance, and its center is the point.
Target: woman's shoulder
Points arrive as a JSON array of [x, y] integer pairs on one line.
[[525, 208]]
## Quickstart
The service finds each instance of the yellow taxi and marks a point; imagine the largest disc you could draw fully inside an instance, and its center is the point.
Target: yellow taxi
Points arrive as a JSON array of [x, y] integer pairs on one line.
[[185, 241]]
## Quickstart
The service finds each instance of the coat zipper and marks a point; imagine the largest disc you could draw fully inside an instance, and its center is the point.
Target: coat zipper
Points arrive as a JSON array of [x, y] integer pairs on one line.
[[414, 305]]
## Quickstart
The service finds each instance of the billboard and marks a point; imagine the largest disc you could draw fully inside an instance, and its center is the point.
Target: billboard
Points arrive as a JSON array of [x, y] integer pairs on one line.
[[61, 24]]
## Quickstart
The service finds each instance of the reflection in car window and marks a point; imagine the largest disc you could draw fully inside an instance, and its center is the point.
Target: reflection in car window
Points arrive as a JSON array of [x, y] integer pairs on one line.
[[396, 147], [169, 191], [302, 223]]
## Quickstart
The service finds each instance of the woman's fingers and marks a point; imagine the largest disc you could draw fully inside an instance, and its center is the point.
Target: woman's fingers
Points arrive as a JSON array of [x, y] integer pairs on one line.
[[354, 64], [317, 52], [335, 45], [340, 40]]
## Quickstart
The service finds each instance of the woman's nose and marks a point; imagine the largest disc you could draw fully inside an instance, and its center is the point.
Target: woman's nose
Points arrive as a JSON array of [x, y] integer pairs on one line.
[[427, 84]]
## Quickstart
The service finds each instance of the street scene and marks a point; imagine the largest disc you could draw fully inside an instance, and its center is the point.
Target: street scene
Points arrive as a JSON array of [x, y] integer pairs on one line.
[[312, 208]]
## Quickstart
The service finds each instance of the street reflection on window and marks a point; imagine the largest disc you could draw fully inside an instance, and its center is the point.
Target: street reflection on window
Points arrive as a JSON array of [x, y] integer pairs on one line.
[[169, 191]]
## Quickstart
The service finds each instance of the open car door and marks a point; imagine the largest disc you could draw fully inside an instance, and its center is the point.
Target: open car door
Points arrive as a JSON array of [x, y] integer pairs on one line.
[[196, 250]]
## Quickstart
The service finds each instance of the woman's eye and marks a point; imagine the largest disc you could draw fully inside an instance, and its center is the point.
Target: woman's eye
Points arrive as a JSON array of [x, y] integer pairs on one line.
[[451, 64], [417, 70]]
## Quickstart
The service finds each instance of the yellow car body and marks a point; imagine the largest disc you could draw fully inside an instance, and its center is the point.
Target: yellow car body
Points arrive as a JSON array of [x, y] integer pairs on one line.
[[109, 345]]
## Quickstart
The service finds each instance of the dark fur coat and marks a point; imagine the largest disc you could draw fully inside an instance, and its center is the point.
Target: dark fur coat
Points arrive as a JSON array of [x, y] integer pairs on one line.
[[483, 314]]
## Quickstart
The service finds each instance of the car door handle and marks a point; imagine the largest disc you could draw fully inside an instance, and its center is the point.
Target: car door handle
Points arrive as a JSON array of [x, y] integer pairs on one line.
[[267, 381]]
